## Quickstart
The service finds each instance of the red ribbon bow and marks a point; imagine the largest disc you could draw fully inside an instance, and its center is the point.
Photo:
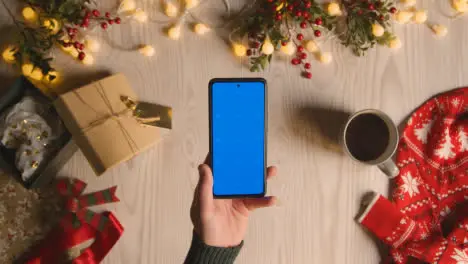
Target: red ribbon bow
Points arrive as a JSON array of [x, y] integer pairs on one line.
[[81, 225]]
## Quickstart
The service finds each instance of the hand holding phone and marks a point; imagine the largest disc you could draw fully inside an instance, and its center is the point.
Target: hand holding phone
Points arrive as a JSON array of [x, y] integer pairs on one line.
[[223, 222], [238, 117]]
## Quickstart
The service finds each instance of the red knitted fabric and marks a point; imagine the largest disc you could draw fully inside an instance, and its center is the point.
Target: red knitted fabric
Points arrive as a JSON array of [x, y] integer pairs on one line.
[[428, 219]]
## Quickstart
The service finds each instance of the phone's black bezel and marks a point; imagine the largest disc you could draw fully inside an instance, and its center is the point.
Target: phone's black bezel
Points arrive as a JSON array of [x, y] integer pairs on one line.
[[265, 129]]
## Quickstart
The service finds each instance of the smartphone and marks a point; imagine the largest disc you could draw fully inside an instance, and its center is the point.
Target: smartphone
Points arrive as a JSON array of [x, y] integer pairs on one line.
[[238, 122]]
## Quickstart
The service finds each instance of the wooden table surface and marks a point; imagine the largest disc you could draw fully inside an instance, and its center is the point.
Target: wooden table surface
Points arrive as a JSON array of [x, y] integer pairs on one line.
[[319, 188]]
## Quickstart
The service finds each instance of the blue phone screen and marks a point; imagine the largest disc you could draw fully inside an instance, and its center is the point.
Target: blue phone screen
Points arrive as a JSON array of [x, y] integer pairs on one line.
[[238, 137]]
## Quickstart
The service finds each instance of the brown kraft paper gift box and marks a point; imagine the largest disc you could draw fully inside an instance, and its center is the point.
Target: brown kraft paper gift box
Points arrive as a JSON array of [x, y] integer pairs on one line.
[[102, 124]]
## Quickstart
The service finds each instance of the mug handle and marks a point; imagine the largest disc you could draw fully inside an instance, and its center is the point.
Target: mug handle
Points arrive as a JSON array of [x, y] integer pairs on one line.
[[389, 168]]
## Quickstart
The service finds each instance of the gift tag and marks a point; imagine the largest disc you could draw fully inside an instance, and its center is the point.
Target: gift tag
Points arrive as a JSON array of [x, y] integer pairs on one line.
[[148, 110]]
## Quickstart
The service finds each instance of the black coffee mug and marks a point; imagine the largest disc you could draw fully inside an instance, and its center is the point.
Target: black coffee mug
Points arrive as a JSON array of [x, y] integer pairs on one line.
[[370, 137]]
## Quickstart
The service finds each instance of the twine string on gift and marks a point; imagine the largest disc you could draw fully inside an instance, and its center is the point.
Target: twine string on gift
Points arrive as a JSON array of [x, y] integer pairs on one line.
[[128, 112]]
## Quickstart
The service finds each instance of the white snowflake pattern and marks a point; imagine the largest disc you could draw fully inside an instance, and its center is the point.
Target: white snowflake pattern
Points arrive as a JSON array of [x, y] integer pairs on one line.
[[403, 221], [446, 211], [424, 236], [456, 102], [410, 184], [398, 257], [421, 133], [460, 256]]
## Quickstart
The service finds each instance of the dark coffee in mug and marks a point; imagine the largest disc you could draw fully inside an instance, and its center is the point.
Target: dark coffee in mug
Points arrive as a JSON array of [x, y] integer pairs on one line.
[[367, 137]]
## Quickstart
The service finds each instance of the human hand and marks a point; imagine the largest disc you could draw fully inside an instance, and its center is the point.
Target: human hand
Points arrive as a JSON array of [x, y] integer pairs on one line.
[[223, 222]]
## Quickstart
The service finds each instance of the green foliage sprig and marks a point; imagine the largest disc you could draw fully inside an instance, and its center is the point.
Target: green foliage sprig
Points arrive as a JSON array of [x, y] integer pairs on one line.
[[283, 22], [54, 23]]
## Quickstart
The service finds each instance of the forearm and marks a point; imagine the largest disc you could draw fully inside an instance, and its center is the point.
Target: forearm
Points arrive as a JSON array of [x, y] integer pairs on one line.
[[200, 253]]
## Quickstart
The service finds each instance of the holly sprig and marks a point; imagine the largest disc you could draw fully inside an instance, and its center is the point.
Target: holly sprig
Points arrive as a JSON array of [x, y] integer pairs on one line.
[[360, 18], [58, 23], [359, 24], [281, 22]]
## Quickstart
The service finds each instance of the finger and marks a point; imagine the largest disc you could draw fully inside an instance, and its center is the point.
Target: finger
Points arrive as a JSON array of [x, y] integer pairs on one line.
[[271, 172], [256, 203], [205, 184]]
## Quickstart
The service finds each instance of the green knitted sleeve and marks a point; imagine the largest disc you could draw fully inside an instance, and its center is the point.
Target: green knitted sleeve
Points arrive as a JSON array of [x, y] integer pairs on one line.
[[200, 253]]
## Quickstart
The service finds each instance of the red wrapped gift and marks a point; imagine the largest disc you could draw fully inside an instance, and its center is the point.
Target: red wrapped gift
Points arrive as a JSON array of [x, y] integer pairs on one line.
[[80, 225]]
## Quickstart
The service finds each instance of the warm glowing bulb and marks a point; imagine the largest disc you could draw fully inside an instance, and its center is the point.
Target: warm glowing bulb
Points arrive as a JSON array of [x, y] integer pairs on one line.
[[333, 9], [140, 16], [88, 59], [201, 29], [395, 43], [147, 50], [36, 74], [191, 3], [29, 14], [74, 53], [239, 49], [92, 45], [408, 3], [325, 57], [377, 30], [460, 5], [174, 32], [127, 6], [9, 54], [52, 25], [27, 68], [403, 17], [280, 6], [288, 49], [67, 49], [420, 16], [171, 10], [439, 30], [311, 46], [267, 47]]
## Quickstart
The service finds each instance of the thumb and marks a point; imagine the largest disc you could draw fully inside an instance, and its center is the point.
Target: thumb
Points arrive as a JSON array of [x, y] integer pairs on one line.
[[205, 183]]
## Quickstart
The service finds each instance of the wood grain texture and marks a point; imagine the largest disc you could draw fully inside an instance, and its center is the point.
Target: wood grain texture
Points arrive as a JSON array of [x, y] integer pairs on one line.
[[319, 188]]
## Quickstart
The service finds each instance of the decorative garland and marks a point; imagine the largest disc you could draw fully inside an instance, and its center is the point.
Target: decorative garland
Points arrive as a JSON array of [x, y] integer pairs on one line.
[[292, 27], [282, 25], [65, 24]]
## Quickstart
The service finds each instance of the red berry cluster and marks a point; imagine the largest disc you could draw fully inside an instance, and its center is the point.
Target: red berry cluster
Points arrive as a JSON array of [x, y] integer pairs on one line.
[[285, 21], [300, 58], [301, 11], [88, 16], [373, 8], [105, 20]]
